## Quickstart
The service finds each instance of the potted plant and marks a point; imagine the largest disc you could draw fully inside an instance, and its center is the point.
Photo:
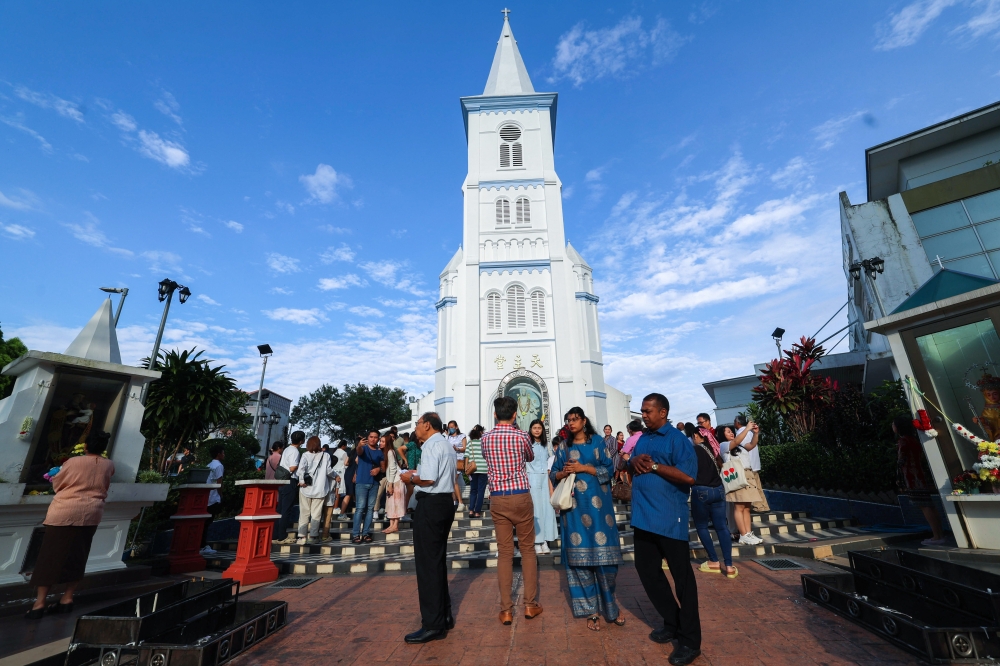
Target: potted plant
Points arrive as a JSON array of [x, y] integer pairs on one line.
[[988, 467], [966, 483]]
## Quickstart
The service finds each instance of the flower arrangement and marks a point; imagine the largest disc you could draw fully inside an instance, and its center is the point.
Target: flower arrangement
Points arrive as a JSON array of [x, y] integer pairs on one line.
[[966, 483], [988, 467], [25, 431], [78, 450]]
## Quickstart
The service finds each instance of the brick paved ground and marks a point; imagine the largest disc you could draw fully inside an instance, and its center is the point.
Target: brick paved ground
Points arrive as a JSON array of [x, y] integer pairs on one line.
[[759, 618]]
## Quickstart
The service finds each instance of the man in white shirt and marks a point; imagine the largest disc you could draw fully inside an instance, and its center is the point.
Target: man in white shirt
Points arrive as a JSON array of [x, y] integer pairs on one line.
[[288, 495], [215, 472], [434, 478]]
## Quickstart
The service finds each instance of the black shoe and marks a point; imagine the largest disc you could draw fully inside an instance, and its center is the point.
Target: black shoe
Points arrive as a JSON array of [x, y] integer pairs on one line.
[[35, 614], [451, 622], [426, 635], [662, 635], [683, 655], [56, 608]]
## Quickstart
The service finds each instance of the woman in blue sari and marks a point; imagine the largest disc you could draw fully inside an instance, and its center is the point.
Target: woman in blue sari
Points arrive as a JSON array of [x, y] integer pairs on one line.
[[590, 546]]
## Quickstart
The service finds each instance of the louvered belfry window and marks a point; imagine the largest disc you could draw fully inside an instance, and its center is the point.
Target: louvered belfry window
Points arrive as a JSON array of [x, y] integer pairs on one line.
[[537, 309], [493, 321], [523, 207], [515, 307], [510, 147], [503, 213]]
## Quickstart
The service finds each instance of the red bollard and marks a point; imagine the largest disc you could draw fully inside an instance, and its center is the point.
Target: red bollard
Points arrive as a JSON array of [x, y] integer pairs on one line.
[[189, 522], [253, 553]]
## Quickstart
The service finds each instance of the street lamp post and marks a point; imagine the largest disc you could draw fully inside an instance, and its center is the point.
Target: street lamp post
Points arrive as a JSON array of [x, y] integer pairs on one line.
[[265, 351], [776, 336], [272, 420], [165, 293], [115, 290]]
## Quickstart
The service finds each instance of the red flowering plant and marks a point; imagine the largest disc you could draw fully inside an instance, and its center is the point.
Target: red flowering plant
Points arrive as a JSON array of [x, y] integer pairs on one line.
[[788, 386], [966, 482]]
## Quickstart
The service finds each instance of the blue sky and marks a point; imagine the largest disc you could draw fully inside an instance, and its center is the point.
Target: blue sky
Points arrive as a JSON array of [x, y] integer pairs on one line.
[[300, 169]]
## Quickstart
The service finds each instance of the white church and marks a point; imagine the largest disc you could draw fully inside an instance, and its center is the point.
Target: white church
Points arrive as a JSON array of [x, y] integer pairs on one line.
[[517, 313]]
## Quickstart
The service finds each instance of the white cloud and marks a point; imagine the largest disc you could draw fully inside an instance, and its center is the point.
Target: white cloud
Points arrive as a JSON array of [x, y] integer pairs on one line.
[[906, 26], [281, 291], [88, 232], [986, 22], [61, 106], [16, 231], [235, 226], [330, 229], [366, 311], [794, 174], [16, 204], [279, 263], [207, 300], [194, 228], [828, 132], [311, 317], [342, 282], [168, 106], [18, 124], [322, 185], [124, 122], [619, 51], [166, 152], [342, 253], [385, 274], [567, 192], [161, 261]]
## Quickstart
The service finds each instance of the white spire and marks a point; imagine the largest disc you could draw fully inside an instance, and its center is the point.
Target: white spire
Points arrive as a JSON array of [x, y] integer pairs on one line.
[[508, 75], [97, 341]]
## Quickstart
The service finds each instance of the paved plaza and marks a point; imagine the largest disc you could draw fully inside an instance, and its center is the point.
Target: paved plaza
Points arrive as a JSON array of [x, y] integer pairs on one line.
[[758, 618]]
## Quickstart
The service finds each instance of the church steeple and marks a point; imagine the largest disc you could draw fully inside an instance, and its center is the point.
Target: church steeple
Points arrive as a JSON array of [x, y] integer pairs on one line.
[[508, 76]]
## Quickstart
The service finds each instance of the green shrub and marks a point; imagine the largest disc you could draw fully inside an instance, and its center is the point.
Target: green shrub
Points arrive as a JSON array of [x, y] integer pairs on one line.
[[867, 466], [149, 476], [239, 464]]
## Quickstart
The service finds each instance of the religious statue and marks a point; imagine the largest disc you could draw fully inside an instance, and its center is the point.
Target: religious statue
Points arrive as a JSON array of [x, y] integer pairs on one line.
[[989, 417], [527, 408]]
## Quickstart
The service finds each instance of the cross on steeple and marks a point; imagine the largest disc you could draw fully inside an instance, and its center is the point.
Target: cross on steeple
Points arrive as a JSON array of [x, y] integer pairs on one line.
[[506, 13]]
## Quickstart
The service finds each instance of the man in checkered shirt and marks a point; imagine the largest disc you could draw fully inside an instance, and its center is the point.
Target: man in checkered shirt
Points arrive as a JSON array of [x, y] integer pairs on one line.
[[507, 450]]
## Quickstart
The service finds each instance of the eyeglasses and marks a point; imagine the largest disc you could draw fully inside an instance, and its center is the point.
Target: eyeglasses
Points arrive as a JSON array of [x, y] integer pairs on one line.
[[573, 418]]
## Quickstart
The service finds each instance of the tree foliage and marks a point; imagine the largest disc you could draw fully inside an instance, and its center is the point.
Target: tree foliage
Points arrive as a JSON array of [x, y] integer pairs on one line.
[[350, 412], [9, 350], [788, 386], [190, 399]]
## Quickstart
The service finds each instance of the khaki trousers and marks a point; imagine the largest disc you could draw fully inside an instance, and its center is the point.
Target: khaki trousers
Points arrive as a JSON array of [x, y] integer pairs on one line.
[[510, 513]]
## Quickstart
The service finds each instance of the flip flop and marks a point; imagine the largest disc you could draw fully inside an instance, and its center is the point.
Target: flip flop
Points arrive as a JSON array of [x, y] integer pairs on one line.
[[707, 569], [736, 572]]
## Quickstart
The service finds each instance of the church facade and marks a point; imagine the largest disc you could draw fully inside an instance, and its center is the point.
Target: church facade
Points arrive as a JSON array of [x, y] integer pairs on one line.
[[517, 313]]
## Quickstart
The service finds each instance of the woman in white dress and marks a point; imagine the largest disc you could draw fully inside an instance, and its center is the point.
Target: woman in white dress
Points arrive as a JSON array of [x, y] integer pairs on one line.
[[538, 477], [458, 442]]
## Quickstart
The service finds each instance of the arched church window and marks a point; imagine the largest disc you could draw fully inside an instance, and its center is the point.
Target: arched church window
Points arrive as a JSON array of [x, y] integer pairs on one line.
[[510, 147], [515, 307], [523, 209], [503, 212], [537, 309], [493, 322]]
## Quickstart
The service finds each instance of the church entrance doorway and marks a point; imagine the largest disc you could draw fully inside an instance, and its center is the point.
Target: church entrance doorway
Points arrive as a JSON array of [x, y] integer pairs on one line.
[[531, 394]]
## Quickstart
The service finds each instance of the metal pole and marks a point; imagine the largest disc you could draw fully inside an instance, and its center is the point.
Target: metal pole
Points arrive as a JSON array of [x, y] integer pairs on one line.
[[777, 343], [878, 297], [159, 334], [120, 304], [260, 397]]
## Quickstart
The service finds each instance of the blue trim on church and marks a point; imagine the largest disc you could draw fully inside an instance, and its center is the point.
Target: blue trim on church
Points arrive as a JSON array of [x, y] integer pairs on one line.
[[441, 401], [596, 394], [481, 103], [587, 296], [593, 362], [528, 265], [446, 302], [446, 367], [515, 183]]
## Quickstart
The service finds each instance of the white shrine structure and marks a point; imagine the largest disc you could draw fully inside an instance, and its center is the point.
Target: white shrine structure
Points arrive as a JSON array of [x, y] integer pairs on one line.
[[517, 313]]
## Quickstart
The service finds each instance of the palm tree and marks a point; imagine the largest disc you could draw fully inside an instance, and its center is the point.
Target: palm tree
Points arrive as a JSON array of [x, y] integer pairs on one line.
[[189, 399]]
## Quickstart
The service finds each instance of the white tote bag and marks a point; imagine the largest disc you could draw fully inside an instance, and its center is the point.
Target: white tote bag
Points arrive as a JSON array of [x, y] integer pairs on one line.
[[733, 476], [562, 496]]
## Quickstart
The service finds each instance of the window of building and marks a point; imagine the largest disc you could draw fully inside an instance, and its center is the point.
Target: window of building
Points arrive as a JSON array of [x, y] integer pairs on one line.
[[510, 147], [964, 235], [493, 322], [523, 209], [538, 309], [503, 213], [515, 307]]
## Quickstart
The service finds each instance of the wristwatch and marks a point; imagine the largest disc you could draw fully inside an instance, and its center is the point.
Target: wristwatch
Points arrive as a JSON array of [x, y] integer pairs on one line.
[[654, 467]]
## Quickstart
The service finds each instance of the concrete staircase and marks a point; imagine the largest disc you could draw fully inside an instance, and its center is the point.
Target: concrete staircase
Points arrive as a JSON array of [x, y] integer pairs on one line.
[[472, 544]]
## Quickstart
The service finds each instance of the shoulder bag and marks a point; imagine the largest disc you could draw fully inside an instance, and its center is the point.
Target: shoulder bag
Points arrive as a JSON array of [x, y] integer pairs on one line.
[[562, 496], [281, 473], [733, 476]]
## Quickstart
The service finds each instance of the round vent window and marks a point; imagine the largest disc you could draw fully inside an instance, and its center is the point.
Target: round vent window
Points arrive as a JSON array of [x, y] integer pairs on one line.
[[510, 132]]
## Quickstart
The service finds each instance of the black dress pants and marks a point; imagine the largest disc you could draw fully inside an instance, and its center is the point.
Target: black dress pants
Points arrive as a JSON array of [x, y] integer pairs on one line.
[[288, 495], [650, 551], [431, 523]]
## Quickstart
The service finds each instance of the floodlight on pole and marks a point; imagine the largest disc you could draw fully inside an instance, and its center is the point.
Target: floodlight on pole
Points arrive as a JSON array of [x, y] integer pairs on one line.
[[872, 268], [116, 290], [265, 352], [776, 335]]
